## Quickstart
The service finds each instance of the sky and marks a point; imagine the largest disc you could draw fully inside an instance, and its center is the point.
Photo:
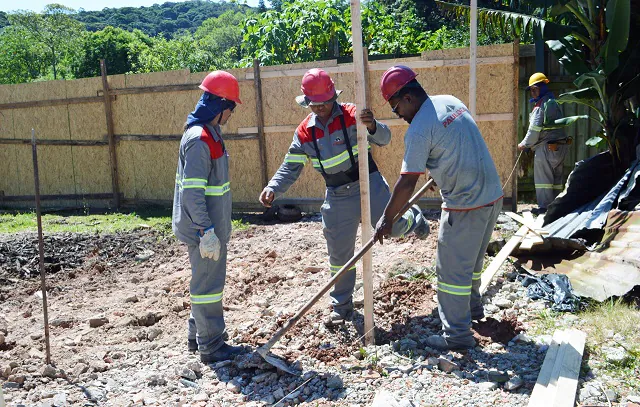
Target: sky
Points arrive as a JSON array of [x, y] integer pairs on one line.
[[38, 5]]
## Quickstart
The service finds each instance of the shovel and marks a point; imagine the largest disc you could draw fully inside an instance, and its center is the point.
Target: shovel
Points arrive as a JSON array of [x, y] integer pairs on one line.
[[264, 349]]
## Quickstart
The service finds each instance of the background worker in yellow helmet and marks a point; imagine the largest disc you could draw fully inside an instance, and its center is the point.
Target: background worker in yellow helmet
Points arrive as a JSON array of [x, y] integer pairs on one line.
[[548, 141]]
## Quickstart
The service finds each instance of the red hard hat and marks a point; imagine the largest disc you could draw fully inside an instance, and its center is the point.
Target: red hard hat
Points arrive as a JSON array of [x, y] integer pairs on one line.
[[222, 84], [317, 85], [394, 79]]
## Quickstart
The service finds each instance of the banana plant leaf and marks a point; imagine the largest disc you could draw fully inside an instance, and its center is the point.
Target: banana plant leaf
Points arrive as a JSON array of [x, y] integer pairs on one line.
[[618, 22]]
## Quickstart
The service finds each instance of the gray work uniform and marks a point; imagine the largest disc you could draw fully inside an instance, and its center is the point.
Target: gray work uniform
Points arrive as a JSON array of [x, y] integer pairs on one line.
[[328, 149], [547, 165], [444, 139], [203, 199]]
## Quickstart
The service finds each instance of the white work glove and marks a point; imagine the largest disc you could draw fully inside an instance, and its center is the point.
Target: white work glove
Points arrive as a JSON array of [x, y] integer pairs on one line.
[[210, 245]]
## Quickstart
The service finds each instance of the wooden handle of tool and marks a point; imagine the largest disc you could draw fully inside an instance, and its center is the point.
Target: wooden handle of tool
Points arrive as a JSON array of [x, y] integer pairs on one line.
[[340, 272]]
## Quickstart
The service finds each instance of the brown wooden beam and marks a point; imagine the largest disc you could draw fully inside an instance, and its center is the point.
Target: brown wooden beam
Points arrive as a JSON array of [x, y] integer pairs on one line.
[[51, 102], [516, 95], [177, 137], [260, 113], [42, 142], [110, 134], [159, 88], [62, 197]]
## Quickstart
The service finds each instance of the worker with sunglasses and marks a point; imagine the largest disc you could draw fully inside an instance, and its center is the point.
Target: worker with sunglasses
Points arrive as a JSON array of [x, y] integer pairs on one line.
[[202, 213], [443, 138], [327, 137]]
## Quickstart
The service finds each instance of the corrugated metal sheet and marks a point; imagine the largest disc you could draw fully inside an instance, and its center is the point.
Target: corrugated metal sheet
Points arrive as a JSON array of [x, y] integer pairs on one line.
[[611, 270]]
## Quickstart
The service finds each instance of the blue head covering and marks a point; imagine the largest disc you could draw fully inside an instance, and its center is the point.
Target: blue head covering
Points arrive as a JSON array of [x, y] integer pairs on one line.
[[208, 108], [544, 90]]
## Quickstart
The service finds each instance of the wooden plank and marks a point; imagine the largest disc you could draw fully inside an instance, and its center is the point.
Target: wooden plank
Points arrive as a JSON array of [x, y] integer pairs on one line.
[[363, 166], [154, 89], [62, 197], [531, 225], [502, 255], [177, 137], [260, 113], [43, 142], [51, 102], [383, 66], [567, 381], [516, 97], [490, 117], [543, 389], [473, 60], [113, 161]]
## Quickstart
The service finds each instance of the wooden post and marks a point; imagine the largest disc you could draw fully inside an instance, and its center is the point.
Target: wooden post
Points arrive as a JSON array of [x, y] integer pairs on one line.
[[261, 141], [110, 134], [363, 145], [472, 56], [516, 124]]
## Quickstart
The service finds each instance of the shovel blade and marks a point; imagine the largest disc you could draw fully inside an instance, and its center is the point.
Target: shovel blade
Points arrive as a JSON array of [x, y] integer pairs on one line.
[[277, 362]]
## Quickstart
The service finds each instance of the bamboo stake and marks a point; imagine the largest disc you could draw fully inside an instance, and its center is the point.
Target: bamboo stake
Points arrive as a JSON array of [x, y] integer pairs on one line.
[[260, 114], [516, 96], [365, 204], [43, 283], [110, 133], [472, 57]]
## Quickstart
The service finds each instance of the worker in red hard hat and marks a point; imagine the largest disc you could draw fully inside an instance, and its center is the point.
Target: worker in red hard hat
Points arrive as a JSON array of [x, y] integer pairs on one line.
[[443, 138], [202, 213], [327, 138]]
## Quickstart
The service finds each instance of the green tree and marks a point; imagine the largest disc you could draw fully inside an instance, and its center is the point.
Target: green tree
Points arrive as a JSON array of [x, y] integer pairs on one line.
[[221, 39], [119, 48], [54, 29], [20, 60], [261, 7]]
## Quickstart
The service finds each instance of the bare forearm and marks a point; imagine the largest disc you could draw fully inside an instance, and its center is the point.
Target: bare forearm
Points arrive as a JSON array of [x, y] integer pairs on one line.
[[402, 192]]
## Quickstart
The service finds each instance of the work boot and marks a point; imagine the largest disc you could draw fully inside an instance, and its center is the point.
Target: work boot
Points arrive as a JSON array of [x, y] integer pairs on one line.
[[192, 345], [441, 343], [338, 317], [225, 352], [421, 230]]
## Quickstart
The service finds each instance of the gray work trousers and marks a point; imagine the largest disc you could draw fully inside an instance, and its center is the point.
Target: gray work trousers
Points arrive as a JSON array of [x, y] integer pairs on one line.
[[340, 220], [462, 241], [206, 322], [547, 173]]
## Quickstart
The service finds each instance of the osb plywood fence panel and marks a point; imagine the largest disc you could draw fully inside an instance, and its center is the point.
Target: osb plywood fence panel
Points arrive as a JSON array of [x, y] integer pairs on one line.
[[141, 107]]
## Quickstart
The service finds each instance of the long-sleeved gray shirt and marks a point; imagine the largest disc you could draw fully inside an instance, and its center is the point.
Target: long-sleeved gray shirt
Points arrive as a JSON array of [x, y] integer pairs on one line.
[[544, 114], [202, 195], [331, 143]]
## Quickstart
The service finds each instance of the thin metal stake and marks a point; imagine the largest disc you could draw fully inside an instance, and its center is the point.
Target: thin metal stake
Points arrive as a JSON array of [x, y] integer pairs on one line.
[[43, 283]]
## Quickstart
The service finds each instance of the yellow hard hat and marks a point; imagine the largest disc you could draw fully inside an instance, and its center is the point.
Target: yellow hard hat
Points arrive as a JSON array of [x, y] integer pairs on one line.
[[537, 78]]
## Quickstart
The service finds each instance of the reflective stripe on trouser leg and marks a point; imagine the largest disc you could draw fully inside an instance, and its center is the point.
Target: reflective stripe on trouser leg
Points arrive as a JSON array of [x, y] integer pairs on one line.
[[547, 173], [460, 238], [380, 195], [206, 289], [476, 298], [340, 219]]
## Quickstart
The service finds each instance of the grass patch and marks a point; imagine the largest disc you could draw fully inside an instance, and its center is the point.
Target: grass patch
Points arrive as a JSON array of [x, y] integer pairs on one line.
[[158, 219], [612, 324], [78, 223]]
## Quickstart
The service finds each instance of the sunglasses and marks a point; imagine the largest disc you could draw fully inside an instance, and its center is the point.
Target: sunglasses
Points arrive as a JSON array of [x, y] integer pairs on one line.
[[393, 109], [233, 106]]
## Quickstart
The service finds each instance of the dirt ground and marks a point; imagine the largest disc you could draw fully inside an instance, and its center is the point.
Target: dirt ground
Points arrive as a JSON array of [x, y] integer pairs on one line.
[[111, 295]]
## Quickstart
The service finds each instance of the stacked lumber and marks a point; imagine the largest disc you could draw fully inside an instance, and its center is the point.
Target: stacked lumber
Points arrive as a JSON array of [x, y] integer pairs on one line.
[[558, 378]]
